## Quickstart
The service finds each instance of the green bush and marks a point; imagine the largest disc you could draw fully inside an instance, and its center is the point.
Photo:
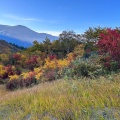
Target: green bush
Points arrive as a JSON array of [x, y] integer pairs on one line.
[[82, 67]]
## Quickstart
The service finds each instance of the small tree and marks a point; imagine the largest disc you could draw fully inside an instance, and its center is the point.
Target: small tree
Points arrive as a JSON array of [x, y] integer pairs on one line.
[[68, 40], [92, 34]]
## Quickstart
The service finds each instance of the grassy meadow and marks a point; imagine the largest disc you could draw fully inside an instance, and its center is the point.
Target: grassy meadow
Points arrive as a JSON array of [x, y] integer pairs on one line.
[[82, 99]]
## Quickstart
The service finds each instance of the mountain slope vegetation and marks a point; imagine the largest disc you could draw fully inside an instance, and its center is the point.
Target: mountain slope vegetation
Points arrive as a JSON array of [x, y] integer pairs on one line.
[[8, 48]]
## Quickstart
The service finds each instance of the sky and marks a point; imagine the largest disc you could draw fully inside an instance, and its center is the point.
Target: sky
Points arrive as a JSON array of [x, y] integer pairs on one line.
[[55, 16]]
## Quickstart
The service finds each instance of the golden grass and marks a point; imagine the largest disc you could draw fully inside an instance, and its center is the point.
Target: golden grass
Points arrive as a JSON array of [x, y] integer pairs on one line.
[[64, 100]]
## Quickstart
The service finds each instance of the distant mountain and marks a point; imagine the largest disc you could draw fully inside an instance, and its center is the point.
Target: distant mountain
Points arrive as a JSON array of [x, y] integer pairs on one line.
[[15, 41], [23, 34], [7, 48]]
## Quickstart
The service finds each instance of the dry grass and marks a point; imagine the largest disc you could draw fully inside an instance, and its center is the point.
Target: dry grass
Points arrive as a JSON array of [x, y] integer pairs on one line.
[[64, 100]]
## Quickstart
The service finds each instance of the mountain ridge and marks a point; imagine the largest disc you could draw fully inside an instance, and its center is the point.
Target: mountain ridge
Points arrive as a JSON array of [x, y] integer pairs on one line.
[[23, 33]]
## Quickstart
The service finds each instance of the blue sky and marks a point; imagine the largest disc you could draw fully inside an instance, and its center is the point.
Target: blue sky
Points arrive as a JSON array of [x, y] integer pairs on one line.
[[54, 16]]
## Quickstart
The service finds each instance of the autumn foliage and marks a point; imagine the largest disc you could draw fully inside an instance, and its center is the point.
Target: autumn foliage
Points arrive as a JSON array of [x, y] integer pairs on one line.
[[89, 59], [109, 46]]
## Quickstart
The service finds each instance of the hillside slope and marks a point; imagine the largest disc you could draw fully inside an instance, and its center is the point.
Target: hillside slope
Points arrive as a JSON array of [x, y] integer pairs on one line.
[[63, 100], [7, 48]]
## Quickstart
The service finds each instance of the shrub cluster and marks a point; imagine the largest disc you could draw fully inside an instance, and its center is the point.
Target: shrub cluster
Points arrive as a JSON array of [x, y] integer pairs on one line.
[[82, 67], [90, 59], [20, 81]]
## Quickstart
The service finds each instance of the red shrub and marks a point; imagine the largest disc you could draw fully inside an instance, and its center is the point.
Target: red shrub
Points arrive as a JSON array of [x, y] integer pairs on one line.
[[13, 84], [17, 56], [50, 75], [52, 57], [32, 62], [11, 71], [109, 44]]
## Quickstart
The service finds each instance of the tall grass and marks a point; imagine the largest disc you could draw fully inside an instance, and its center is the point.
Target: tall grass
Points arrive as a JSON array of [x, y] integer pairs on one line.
[[82, 99]]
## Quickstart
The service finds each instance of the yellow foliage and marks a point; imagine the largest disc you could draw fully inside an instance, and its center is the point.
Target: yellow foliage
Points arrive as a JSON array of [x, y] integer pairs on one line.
[[23, 57], [37, 76], [14, 77], [25, 75], [2, 70], [54, 64], [50, 64], [79, 50], [23, 60], [70, 56], [4, 57], [37, 70], [62, 63]]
